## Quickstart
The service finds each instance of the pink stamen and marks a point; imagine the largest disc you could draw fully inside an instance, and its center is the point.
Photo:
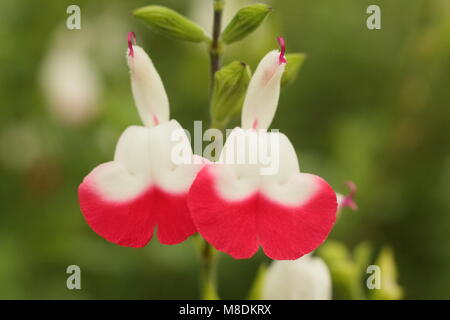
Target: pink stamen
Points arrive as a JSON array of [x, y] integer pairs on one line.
[[282, 44], [131, 39], [255, 124], [348, 200]]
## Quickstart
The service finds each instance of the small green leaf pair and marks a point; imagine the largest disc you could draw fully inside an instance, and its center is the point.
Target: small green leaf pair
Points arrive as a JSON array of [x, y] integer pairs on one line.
[[173, 25]]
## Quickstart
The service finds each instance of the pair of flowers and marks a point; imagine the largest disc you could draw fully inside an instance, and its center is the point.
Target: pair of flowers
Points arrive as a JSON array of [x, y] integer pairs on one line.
[[233, 206]]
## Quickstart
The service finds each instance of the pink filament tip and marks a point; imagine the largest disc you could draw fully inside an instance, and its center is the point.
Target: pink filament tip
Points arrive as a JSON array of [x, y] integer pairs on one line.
[[282, 44], [348, 200], [131, 39]]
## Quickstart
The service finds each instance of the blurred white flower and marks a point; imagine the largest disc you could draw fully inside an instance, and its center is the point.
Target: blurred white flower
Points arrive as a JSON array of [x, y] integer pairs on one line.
[[307, 278], [69, 82]]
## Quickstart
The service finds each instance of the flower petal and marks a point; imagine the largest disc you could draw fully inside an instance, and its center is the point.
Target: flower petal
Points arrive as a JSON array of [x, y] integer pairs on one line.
[[307, 278], [148, 90], [127, 223], [125, 199], [230, 226], [288, 232]]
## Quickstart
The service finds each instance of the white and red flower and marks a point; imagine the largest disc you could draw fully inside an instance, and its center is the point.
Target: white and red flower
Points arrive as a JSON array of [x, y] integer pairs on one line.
[[237, 209], [142, 188]]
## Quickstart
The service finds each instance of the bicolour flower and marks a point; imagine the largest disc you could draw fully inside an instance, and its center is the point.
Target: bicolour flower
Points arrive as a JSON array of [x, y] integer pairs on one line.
[[238, 208], [307, 278], [142, 188]]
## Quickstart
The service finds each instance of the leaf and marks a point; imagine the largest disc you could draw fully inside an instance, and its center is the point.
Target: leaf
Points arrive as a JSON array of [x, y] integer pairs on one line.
[[230, 86], [345, 273], [390, 289], [170, 23], [295, 63], [256, 292], [246, 20]]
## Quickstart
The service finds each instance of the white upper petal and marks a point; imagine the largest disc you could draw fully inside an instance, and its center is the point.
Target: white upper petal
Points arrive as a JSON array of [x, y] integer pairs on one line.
[[143, 159], [261, 101], [270, 165], [148, 90]]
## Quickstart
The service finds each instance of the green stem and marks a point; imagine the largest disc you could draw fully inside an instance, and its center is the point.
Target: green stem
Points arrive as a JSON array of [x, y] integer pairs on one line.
[[215, 50], [208, 272], [207, 252]]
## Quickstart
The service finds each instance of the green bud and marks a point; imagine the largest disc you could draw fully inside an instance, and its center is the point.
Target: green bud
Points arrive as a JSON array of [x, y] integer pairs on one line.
[[345, 273], [230, 87], [295, 63], [390, 290], [170, 23], [246, 20]]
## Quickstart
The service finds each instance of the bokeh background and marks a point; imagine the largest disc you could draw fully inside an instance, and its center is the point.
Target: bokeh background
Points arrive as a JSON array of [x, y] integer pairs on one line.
[[368, 106]]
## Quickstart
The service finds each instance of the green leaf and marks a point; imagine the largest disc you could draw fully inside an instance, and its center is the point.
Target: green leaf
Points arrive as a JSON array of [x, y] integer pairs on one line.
[[170, 23], [362, 255], [246, 20], [256, 292], [295, 63], [345, 273], [390, 289], [230, 87]]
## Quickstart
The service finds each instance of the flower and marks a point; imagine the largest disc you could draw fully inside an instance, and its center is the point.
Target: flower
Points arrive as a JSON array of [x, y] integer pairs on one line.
[[123, 200], [238, 207], [307, 278], [70, 84]]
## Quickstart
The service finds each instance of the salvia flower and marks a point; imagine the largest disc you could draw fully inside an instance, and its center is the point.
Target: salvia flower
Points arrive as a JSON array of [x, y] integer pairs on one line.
[[307, 278], [125, 199], [237, 207]]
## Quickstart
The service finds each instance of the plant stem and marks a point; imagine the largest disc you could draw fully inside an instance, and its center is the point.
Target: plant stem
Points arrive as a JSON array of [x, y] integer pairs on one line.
[[215, 50], [208, 272], [207, 252]]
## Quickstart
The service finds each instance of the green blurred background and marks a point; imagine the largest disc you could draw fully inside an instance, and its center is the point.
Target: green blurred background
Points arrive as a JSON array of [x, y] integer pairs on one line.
[[368, 106]]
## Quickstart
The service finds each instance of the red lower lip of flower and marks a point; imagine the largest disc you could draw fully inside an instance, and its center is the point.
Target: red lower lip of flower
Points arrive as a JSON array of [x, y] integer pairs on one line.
[[238, 228], [132, 223]]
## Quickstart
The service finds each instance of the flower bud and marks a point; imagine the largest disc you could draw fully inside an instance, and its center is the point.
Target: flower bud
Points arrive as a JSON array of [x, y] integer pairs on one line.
[[170, 23], [292, 68], [246, 20], [261, 101], [148, 90], [230, 85], [307, 278]]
